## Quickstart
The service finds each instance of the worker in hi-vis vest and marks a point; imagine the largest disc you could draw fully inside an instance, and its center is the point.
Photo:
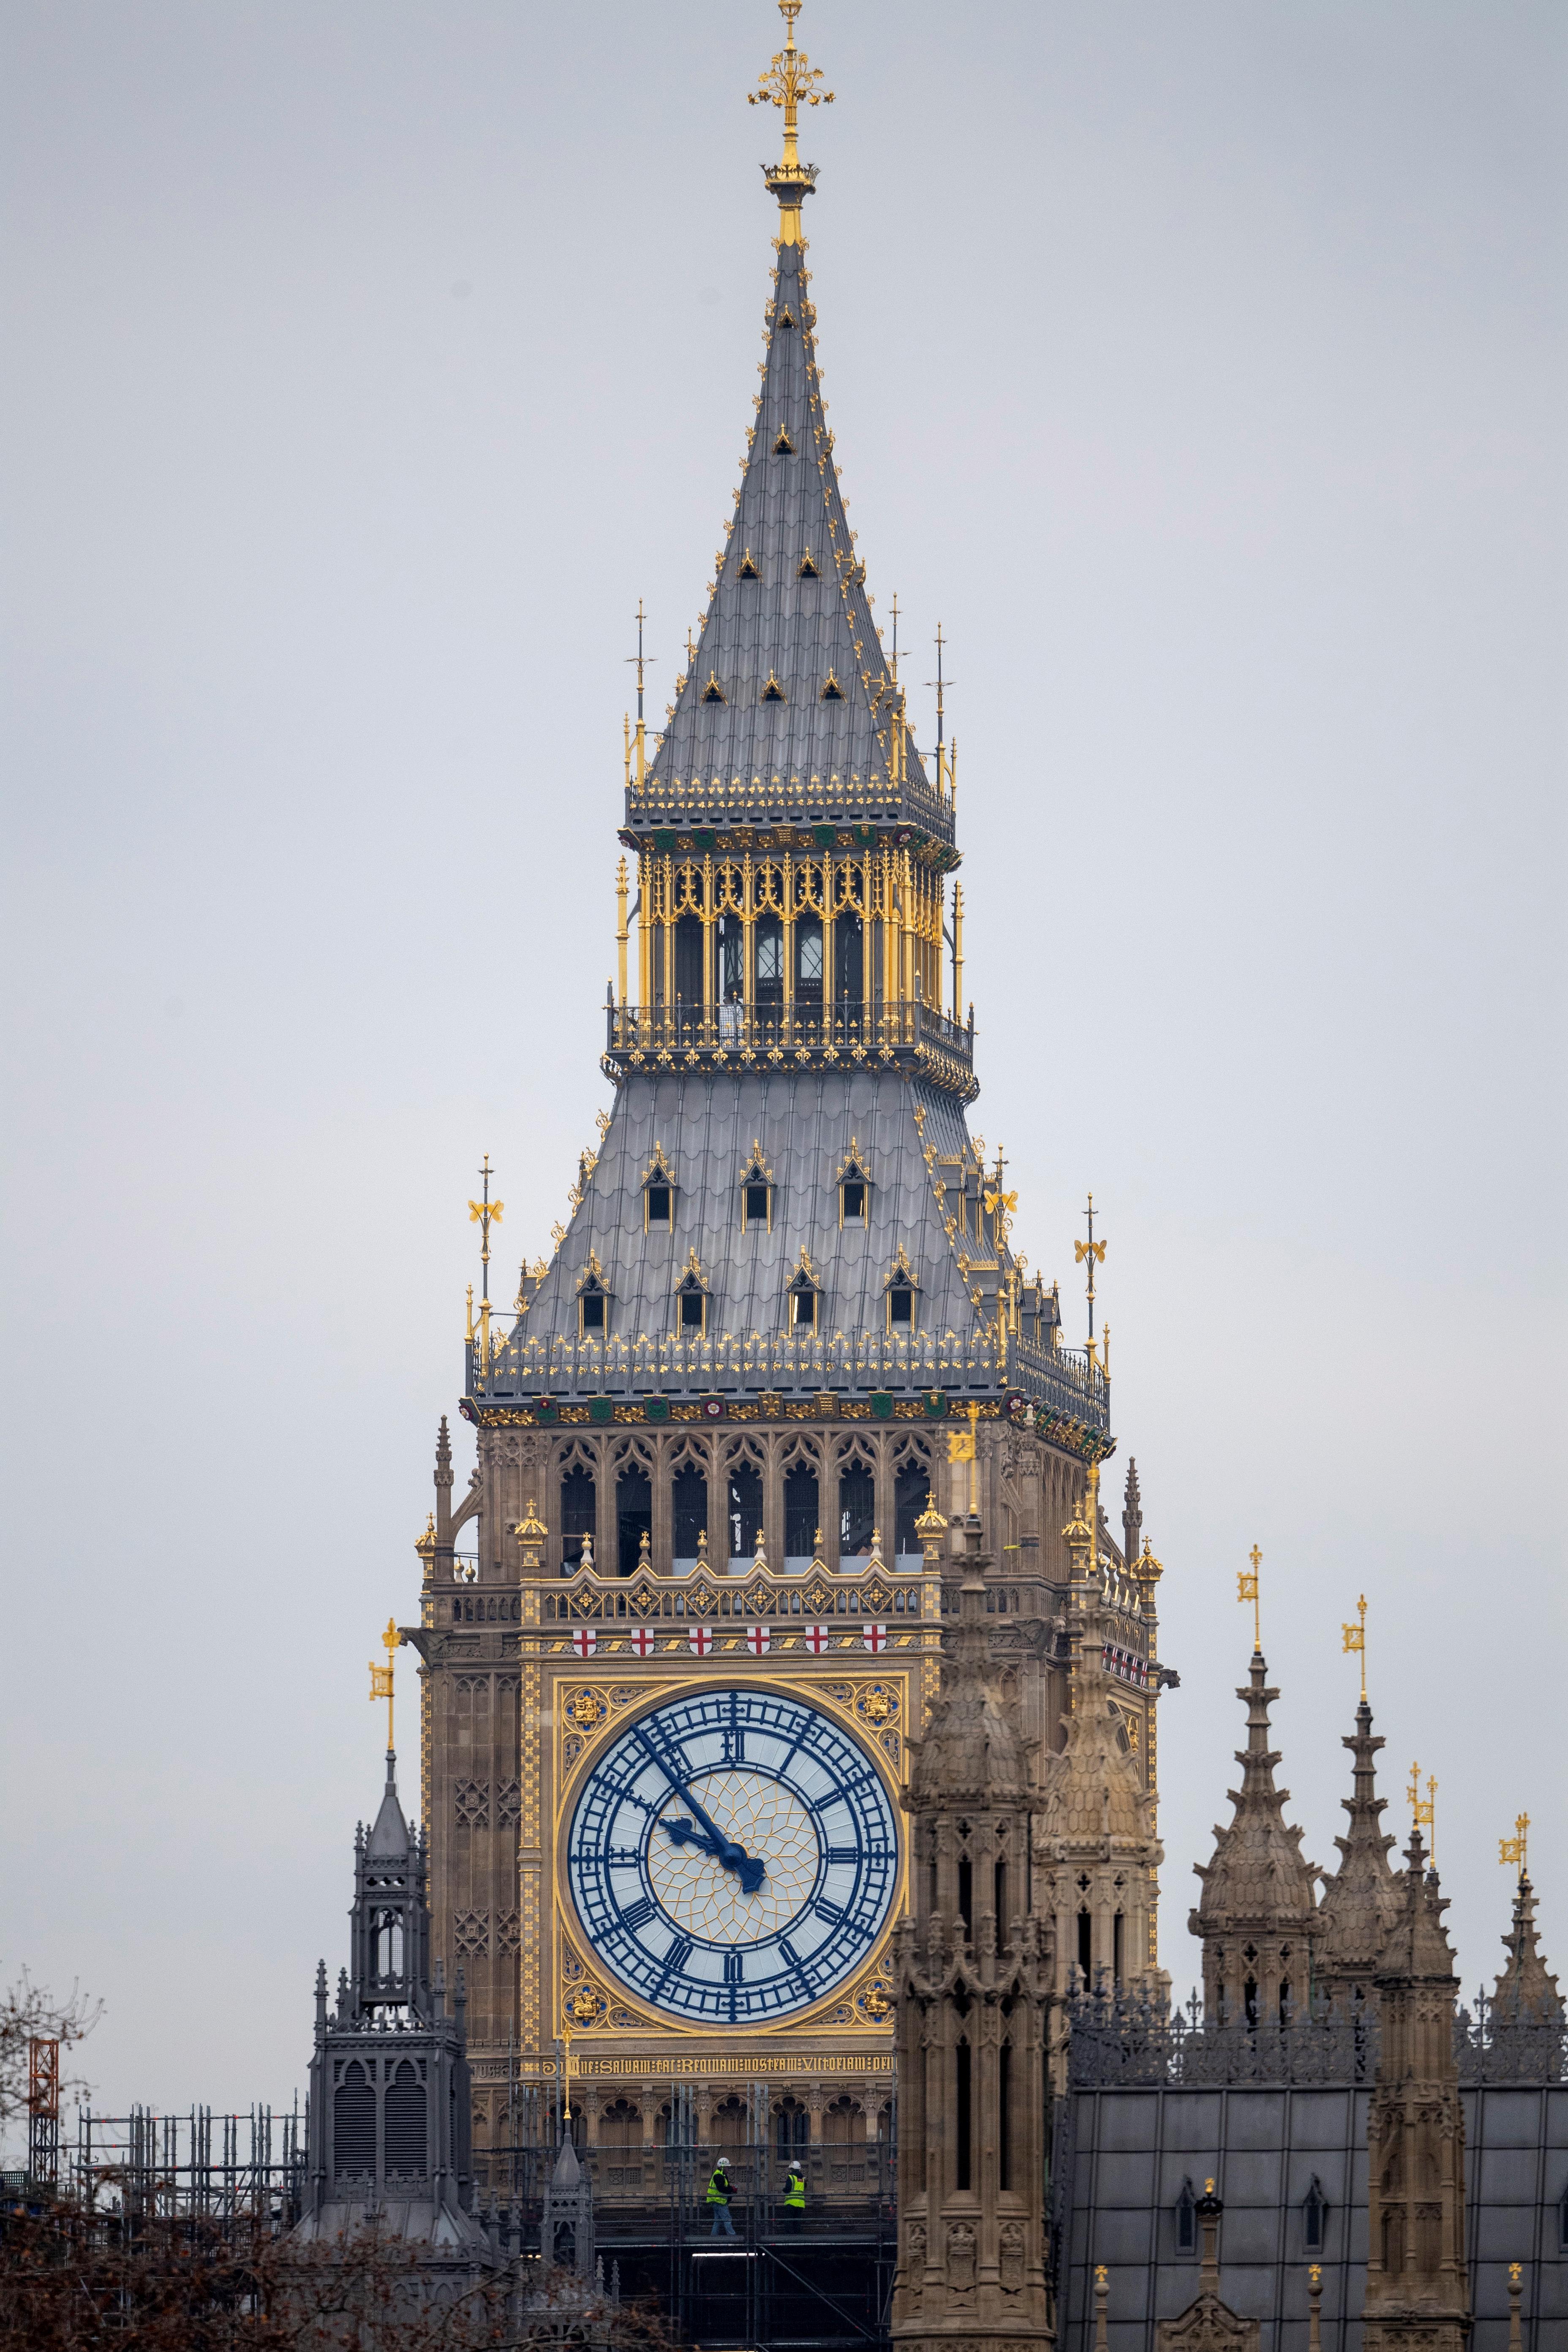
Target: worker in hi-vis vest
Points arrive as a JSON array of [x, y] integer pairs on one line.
[[794, 2195], [718, 2195]]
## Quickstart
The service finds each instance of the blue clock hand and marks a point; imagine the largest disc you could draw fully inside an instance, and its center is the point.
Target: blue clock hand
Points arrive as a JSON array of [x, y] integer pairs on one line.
[[750, 1868]]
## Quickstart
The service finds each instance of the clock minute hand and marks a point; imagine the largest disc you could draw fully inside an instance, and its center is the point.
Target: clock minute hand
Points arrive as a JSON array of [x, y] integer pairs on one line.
[[750, 1868]]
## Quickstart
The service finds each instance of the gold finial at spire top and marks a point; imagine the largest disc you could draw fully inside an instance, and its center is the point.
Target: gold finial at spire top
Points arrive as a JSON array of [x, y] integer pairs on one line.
[[1514, 1849], [1355, 1639], [381, 1677], [1247, 1590], [790, 82]]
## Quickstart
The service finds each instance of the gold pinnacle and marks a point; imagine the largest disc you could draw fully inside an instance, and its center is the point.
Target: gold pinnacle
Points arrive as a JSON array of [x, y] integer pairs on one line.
[[1514, 1849], [1247, 1590], [1355, 1639]]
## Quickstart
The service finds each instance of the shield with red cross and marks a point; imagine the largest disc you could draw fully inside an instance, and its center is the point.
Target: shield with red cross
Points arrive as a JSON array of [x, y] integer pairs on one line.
[[700, 1638], [757, 1640], [584, 1640], [875, 1637], [818, 1637], [641, 1642]]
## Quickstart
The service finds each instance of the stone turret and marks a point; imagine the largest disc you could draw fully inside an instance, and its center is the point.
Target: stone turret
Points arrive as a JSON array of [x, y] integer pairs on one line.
[[1097, 1849], [1526, 1992], [973, 2001], [1257, 1915], [1362, 1900], [1418, 2285], [566, 2223]]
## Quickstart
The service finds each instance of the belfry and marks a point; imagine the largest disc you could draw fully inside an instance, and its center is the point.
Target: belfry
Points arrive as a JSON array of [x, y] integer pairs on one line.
[[683, 1630]]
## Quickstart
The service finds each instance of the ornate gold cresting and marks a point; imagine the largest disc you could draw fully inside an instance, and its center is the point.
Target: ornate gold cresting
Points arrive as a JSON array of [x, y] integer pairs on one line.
[[1355, 1639], [1247, 1590], [381, 1677], [790, 82]]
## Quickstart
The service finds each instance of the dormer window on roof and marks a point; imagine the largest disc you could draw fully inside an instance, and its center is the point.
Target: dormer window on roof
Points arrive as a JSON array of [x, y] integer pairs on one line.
[[773, 692], [832, 691], [593, 1301], [756, 1193], [659, 1189], [853, 1189], [713, 691], [747, 569], [804, 1295], [783, 447], [901, 1290], [692, 1296], [805, 569]]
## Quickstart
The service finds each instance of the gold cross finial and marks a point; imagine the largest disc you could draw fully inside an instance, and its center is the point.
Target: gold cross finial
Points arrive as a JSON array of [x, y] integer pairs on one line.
[[790, 82], [1247, 1590], [1355, 1639], [1514, 1849], [381, 1677]]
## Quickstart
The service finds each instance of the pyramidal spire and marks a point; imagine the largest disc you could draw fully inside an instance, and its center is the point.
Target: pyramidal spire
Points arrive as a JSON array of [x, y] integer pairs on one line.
[[1361, 1900], [788, 709], [1526, 1989], [389, 1838], [1256, 1914]]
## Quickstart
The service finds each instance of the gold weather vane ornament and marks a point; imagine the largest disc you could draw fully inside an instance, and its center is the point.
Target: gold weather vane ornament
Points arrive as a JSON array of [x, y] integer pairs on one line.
[[1423, 1815], [1247, 1590], [1355, 1639], [1091, 1254], [1514, 1849], [485, 1213], [790, 82], [381, 1677]]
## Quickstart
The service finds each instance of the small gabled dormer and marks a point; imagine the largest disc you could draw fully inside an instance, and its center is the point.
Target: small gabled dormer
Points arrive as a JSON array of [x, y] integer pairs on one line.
[[692, 1298], [806, 568], [803, 1298], [747, 569], [659, 1190], [593, 1301], [756, 1193], [901, 1289], [853, 1191]]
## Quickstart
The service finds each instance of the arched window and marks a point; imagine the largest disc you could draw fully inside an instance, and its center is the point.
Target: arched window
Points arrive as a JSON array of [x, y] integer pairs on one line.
[[769, 936], [849, 963], [809, 961], [688, 931], [688, 1501], [792, 2128], [803, 1516], [579, 1506], [354, 2121], [405, 2120], [1186, 2221], [388, 1961], [634, 1515], [857, 1508], [744, 1508], [911, 1493], [1314, 2216]]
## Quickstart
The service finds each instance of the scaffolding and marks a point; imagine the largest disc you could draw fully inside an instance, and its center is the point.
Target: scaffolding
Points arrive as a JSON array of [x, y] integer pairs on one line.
[[221, 2169]]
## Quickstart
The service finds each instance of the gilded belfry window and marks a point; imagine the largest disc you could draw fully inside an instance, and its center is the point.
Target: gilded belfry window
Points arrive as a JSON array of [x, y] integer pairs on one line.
[[756, 1189], [691, 1300]]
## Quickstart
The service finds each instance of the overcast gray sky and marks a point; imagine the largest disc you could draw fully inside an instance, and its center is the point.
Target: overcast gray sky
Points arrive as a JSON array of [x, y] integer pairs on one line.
[[1201, 369]]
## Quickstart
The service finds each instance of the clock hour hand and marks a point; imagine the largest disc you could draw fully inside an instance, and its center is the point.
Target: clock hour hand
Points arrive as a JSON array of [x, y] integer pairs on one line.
[[750, 1868]]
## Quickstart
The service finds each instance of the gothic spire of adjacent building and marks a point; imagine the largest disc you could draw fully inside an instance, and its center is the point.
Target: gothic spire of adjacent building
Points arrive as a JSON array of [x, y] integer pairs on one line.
[[1526, 1989], [1257, 1915], [1362, 1901]]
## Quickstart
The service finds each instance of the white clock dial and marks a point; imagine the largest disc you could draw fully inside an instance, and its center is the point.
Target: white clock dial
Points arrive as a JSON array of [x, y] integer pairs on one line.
[[733, 1856]]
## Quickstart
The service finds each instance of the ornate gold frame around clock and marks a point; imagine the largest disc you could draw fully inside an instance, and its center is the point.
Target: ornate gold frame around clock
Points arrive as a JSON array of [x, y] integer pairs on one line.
[[870, 2010]]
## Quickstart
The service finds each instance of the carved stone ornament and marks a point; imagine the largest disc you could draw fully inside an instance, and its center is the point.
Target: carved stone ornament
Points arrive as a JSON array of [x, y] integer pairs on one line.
[[961, 2258], [1010, 2247]]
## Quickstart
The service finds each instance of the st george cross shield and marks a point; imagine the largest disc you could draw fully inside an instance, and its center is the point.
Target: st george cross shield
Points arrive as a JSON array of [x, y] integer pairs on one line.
[[584, 1640], [818, 1637], [757, 1640], [875, 1637], [641, 1641], [701, 1637]]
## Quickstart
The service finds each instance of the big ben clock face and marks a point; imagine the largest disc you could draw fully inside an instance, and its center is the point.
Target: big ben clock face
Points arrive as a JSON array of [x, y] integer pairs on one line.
[[733, 1856]]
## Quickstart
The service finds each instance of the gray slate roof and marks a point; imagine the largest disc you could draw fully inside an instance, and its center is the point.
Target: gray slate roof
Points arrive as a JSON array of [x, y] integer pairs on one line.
[[707, 1125], [797, 631]]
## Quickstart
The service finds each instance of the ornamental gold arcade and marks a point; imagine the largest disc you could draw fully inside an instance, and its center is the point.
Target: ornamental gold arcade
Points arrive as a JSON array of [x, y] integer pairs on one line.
[[682, 1629]]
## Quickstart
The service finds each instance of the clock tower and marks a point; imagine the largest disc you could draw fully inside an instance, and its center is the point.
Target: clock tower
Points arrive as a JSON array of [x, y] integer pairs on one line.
[[680, 1633]]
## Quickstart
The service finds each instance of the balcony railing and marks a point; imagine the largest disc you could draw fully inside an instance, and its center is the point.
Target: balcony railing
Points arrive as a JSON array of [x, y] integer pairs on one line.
[[798, 1033]]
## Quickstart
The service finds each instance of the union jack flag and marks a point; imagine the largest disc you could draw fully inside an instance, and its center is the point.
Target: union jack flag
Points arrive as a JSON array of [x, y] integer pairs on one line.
[[875, 1637], [642, 1640], [586, 1641], [757, 1639], [701, 1637], [817, 1637]]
